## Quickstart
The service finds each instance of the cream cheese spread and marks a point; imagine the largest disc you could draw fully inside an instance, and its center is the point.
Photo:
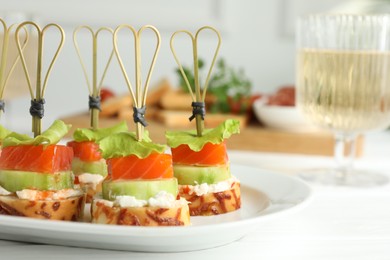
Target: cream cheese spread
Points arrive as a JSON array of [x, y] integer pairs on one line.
[[205, 188], [162, 200]]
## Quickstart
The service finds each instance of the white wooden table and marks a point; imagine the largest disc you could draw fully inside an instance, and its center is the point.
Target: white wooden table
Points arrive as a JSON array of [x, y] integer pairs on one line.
[[339, 223]]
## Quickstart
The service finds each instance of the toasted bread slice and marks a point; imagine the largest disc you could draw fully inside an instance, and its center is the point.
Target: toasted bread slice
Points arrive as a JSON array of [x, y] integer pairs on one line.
[[213, 203], [122, 104], [111, 106], [70, 209], [139, 216]]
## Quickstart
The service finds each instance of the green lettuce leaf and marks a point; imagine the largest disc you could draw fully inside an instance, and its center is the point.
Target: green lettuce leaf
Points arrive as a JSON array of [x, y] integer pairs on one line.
[[215, 135], [85, 134], [125, 143], [4, 132], [51, 136]]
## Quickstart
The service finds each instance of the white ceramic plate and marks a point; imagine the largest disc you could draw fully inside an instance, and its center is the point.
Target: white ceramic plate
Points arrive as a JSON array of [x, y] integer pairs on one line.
[[286, 118], [265, 195]]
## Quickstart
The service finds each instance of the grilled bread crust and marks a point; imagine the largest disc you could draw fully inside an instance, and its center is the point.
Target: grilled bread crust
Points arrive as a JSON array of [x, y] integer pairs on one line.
[[213, 203], [139, 216], [70, 209]]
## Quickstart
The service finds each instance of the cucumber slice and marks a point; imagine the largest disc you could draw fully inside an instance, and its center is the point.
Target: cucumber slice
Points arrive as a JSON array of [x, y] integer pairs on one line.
[[140, 189], [80, 167], [192, 175], [18, 180]]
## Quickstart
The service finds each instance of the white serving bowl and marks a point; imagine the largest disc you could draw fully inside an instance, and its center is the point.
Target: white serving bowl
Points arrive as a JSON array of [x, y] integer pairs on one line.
[[281, 117]]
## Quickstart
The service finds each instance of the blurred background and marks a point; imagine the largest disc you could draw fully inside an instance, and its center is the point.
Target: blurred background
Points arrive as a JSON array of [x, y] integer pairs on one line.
[[257, 40]]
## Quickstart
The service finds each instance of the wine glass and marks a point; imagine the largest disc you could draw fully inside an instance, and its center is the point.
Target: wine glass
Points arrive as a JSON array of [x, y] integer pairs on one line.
[[343, 84]]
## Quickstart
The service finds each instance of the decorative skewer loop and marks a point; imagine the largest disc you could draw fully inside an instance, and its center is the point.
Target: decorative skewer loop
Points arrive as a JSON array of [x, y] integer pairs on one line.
[[94, 89], [37, 99], [141, 90], [5, 75], [198, 98]]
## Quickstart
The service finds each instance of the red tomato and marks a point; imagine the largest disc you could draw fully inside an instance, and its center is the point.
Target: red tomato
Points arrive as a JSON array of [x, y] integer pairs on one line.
[[105, 94], [211, 154], [87, 151], [285, 96], [254, 97], [242, 105], [49, 159], [155, 166]]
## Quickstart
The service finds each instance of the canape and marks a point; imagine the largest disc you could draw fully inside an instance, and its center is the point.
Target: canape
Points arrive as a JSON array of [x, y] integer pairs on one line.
[[36, 179], [141, 189], [88, 165], [201, 166]]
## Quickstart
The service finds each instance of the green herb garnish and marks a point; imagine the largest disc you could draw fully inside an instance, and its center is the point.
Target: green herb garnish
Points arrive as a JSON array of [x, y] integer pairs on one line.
[[126, 143], [227, 85], [215, 136], [4, 132], [51, 136], [86, 134]]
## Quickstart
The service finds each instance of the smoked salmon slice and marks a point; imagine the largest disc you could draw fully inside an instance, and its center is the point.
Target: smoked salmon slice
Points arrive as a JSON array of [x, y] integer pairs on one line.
[[155, 166], [87, 151], [211, 154], [36, 158]]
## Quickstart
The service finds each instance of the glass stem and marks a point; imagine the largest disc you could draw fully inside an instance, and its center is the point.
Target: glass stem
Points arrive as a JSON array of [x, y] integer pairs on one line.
[[344, 153]]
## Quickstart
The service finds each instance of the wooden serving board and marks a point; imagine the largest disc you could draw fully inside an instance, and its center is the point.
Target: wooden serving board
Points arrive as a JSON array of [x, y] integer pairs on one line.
[[251, 138]]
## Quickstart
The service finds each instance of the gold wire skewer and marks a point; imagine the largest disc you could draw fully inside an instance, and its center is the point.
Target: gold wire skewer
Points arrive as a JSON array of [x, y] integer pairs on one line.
[[4, 76], [39, 86], [139, 97], [94, 90], [199, 96]]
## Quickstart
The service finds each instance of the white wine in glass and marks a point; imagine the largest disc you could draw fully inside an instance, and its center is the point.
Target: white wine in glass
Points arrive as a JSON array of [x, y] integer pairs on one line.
[[343, 84]]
